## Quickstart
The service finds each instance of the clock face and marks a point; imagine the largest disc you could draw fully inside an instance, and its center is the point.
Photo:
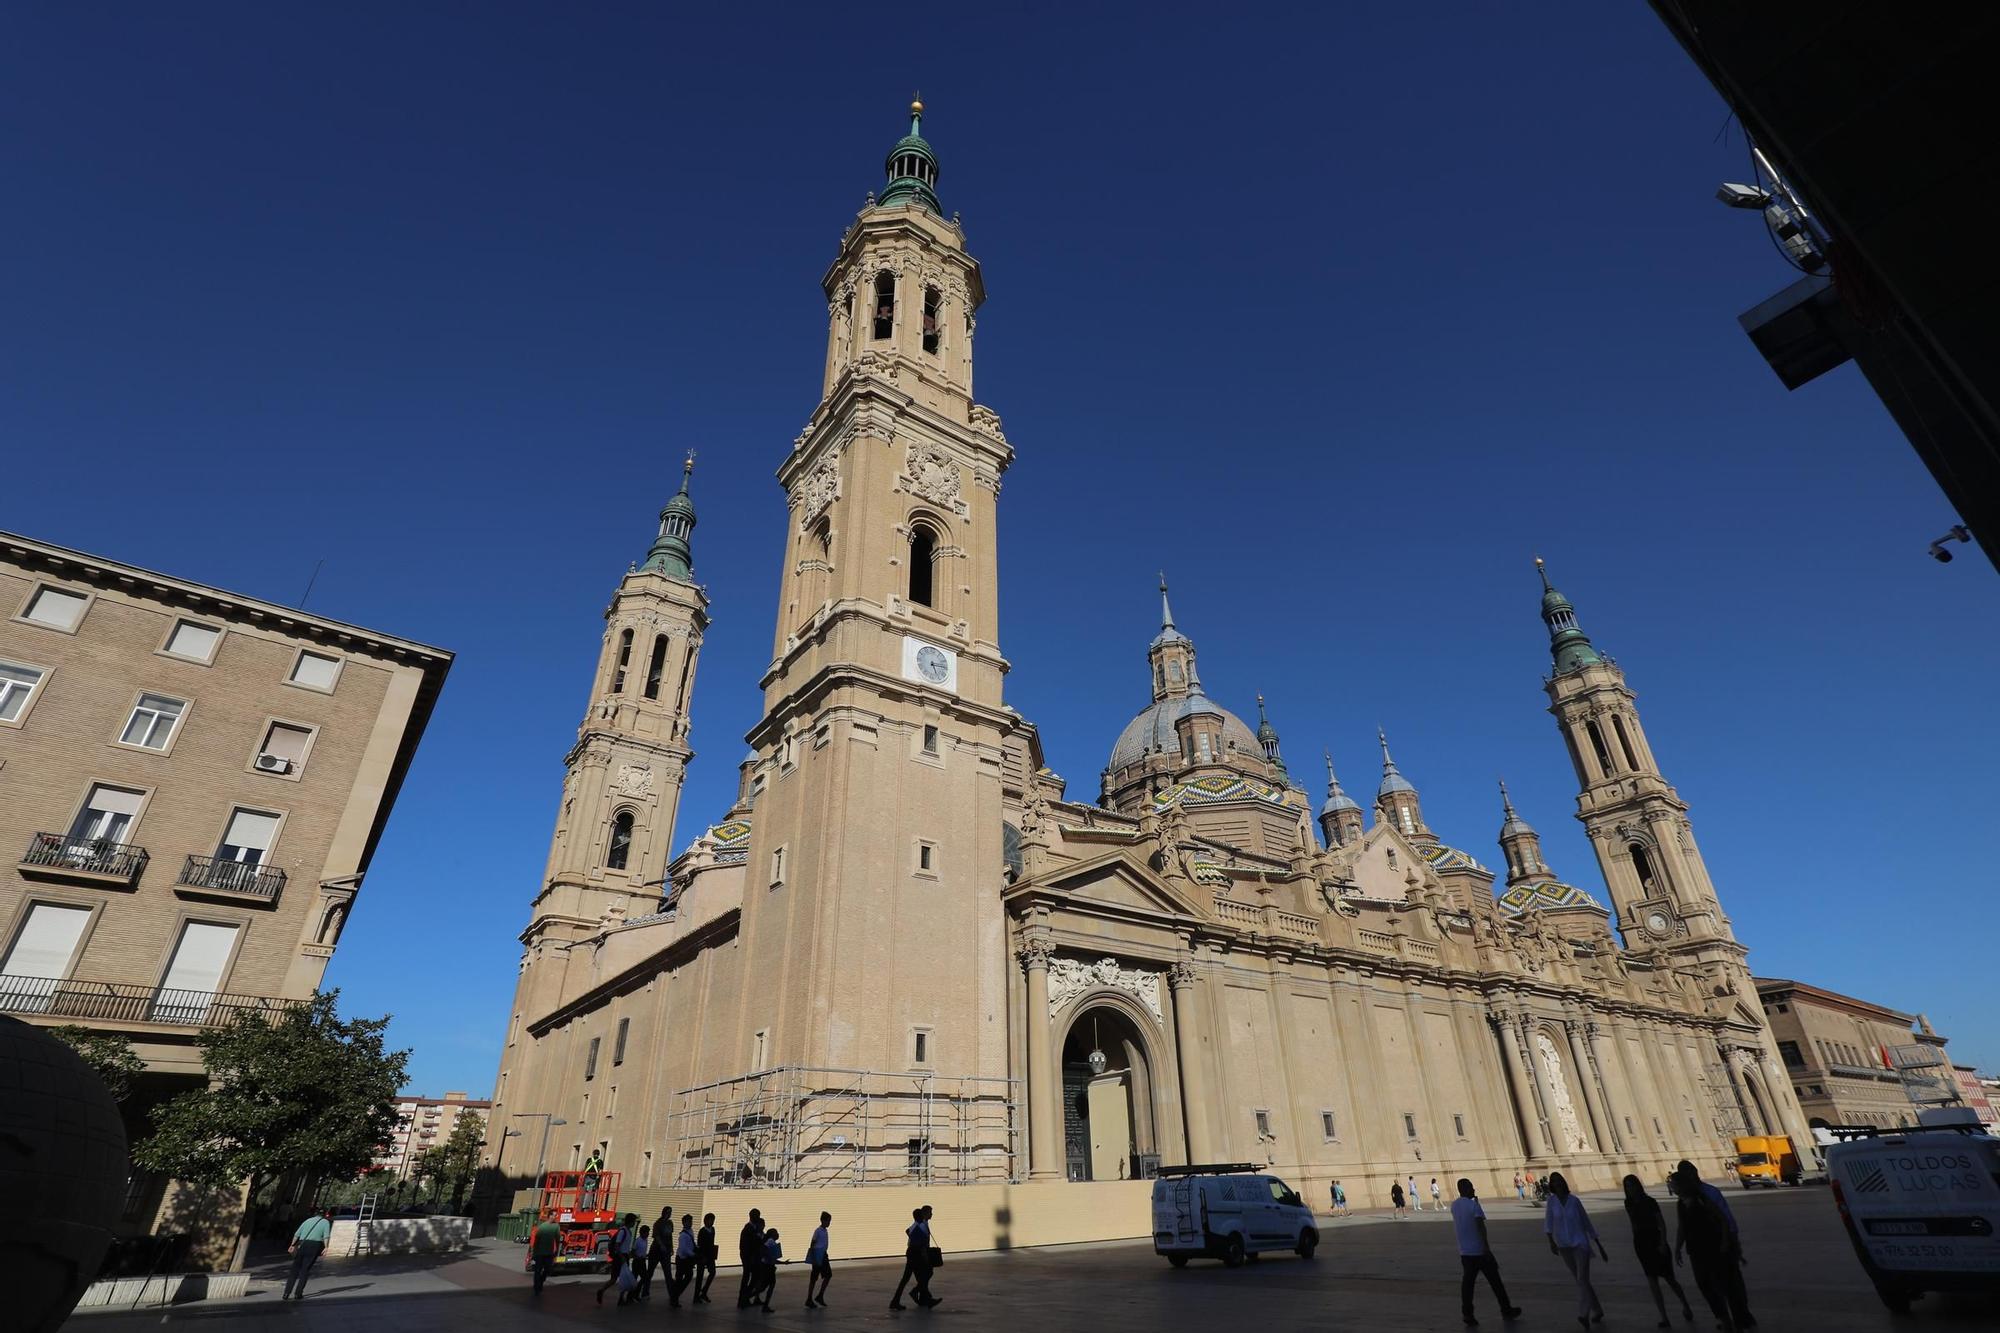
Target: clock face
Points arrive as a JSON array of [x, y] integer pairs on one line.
[[932, 664], [1656, 922]]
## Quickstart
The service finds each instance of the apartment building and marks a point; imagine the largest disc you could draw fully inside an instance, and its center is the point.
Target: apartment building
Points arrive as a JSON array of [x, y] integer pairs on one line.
[[1841, 1053], [192, 784], [421, 1123]]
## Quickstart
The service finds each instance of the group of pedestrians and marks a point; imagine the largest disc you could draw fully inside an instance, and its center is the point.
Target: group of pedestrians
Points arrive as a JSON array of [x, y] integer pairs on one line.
[[637, 1252], [1705, 1237], [1398, 1197]]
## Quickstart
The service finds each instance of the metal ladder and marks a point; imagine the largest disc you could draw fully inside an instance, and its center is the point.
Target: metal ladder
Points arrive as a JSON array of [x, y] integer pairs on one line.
[[364, 1232]]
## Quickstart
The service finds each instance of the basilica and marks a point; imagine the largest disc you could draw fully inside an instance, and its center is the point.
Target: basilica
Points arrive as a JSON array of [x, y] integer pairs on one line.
[[907, 958]]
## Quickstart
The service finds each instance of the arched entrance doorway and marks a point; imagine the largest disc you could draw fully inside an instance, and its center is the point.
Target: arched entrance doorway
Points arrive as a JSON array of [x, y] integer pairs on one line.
[[1760, 1109], [1108, 1120]]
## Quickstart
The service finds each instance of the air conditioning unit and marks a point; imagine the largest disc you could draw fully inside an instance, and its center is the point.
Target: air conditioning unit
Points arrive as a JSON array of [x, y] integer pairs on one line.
[[273, 763]]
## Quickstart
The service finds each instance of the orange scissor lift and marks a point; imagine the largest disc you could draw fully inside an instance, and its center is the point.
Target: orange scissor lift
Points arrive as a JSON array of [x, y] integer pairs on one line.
[[585, 1205]]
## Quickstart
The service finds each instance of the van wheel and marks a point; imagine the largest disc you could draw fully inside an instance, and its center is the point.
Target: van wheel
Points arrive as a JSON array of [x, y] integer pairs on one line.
[[1232, 1252], [1177, 1260], [1896, 1298], [1308, 1242]]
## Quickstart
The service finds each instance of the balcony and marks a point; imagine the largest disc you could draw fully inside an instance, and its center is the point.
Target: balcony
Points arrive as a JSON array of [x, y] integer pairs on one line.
[[59, 856], [111, 1002], [220, 877]]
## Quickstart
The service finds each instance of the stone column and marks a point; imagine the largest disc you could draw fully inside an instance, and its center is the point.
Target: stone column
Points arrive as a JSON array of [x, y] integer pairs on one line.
[[1593, 1101], [1544, 1085], [1192, 1060], [1526, 1105], [1044, 1079], [1603, 1086]]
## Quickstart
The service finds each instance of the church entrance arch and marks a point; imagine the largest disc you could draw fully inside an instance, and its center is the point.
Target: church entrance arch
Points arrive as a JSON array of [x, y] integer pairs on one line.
[[1109, 1113]]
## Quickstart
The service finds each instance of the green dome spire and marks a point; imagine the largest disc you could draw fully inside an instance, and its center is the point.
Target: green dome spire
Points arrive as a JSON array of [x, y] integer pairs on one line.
[[912, 168], [1568, 644], [671, 555]]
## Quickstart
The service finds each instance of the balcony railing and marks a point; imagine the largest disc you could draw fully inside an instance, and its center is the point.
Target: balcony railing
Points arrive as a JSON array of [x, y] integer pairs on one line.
[[222, 875], [116, 1002], [62, 854]]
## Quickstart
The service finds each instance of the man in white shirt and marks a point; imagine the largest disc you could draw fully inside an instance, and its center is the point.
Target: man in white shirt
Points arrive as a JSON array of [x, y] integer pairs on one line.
[[820, 1264], [1475, 1254], [1410, 1193]]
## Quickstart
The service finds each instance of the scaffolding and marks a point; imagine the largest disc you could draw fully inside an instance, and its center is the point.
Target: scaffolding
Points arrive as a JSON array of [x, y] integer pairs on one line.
[[798, 1125], [1925, 1074]]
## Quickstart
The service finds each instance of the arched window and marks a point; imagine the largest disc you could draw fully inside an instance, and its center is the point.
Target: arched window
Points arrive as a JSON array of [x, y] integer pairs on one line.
[[923, 560], [1642, 865], [1625, 744], [1597, 745], [621, 841], [624, 660], [885, 305], [656, 666], [933, 326]]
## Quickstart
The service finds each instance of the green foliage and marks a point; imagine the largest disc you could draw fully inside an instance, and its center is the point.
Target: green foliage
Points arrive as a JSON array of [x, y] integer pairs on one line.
[[303, 1091], [461, 1153], [108, 1056]]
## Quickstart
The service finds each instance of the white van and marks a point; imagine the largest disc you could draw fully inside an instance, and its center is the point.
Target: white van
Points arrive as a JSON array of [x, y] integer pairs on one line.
[[1922, 1205], [1227, 1212]]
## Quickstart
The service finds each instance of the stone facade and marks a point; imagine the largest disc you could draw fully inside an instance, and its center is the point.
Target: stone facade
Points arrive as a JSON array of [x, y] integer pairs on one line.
[[905, 955], [192, 784]]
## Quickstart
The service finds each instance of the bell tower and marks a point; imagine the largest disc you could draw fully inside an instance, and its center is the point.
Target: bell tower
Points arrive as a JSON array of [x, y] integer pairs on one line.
[[871, 905], [623, 776]]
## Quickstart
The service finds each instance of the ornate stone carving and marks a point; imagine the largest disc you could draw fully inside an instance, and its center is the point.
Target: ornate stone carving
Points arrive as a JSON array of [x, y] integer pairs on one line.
[[1572, 1130], [633, 780], [1181, 975], [986, 421], [817, 490], [1069, 978], [930, 474], [1033, 954]]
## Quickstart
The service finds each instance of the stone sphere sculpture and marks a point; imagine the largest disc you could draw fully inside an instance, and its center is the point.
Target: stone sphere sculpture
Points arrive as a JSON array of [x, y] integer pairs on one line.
[[63, 1168]]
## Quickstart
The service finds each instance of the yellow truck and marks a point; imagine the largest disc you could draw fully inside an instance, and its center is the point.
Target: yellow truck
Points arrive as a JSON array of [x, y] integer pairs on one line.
[[1767, 1159]]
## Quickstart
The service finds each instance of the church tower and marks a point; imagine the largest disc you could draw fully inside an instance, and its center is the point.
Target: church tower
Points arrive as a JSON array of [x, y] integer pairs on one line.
[[1661, 893], [1340, 817], [872, 935], [1663, 900], [622, 786], [1521, 845], [1396, 802]]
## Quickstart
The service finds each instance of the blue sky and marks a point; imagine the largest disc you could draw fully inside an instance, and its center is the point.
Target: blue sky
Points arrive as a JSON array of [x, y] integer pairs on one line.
[[1340, 315]]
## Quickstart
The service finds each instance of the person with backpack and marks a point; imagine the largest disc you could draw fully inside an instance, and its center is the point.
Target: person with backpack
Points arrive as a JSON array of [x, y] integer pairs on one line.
[[622, 1242]]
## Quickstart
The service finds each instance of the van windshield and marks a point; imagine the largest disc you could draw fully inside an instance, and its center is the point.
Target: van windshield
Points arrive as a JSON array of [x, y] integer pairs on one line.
[[1753, 1159]]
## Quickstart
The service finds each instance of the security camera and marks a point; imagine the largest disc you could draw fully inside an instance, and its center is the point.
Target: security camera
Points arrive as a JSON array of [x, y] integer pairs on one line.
[[1743, 196], [1958, 533]]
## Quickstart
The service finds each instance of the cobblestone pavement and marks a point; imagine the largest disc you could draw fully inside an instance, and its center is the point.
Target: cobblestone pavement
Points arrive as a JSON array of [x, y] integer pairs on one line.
[[1371, 1272]]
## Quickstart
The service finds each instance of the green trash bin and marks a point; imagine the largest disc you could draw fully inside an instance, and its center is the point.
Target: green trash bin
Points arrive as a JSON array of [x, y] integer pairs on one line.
[[516, 1226]]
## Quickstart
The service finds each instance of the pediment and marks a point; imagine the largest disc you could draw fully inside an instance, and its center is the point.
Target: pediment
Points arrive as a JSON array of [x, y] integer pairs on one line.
[[1116, 880]]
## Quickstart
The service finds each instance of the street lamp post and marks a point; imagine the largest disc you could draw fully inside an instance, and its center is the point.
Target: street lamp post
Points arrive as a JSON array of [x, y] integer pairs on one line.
[[549, 1122]]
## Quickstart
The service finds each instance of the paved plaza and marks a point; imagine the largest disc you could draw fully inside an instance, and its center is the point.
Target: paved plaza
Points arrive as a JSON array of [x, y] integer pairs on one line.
[[1371, 1272]]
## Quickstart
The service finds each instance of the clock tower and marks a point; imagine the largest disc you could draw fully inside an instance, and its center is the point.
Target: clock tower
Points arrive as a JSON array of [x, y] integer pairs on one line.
[[871, 931]]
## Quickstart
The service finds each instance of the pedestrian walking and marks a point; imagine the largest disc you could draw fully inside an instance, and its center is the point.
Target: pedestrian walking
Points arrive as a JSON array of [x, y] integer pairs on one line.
[[1571, 1234], [749, 1253], [1706, 1234], [686, 1260], [1416, 1199], [642, 1264], [819, 1256], [1396, 1200], [706, 1253], [1339, 1199], [918, 1261], [660, 1254], [543, 1245], [1520, 1188], [1649, 1242], [1475, 1254], [1437, 1199], [308, 1243], [768, 1260], [622, 1244]]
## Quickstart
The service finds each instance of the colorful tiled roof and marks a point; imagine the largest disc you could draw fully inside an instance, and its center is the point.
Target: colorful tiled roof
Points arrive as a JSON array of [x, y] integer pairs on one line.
[[731, 842], [1442, 857], [1218, 787], [1546, 895], [1208, 872]]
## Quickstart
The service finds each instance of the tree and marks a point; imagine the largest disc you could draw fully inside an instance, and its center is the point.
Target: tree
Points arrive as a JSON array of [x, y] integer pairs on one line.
[[109, 1057], [301, 1091], [461, 1154]]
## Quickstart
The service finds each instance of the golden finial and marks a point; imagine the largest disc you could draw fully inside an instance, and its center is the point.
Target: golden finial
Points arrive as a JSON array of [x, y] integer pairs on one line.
[[917, 104]]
